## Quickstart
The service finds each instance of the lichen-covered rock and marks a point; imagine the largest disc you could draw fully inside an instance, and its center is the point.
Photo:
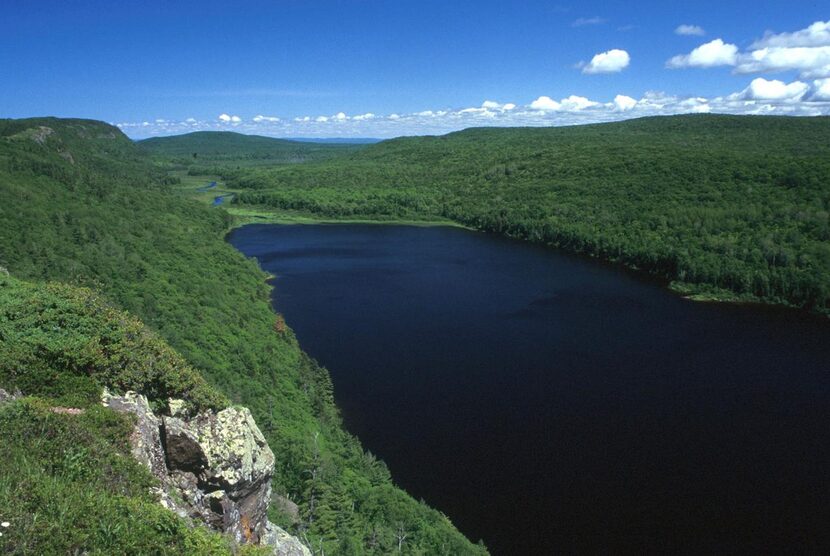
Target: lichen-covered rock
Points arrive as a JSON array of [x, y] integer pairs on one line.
[[214, 468], [282, 543], [146, 439], [239, 463], [237, 452], [5, 396], [177, 408], [181, 445]]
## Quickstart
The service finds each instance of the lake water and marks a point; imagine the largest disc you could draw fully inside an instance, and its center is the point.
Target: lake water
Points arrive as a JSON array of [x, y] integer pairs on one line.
[[551, 404]]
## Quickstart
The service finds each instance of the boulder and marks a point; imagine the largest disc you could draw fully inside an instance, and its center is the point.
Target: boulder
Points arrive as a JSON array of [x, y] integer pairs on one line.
[[240, 464], [282, 543], [181, 446], [6, 397], [177, 408], [214, 467], [146, 438]]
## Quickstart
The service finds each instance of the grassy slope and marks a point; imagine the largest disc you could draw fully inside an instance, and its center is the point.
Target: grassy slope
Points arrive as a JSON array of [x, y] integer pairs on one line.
[[67, 482], [725, 206], [82, 205]]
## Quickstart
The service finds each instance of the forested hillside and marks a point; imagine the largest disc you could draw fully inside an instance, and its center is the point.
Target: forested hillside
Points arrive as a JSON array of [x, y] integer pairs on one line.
[[83, 205], [723, 207], [207, 148]]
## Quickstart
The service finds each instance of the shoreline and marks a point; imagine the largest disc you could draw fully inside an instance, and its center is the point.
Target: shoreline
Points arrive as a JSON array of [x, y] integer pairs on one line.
[[697, 293], [245, 215]]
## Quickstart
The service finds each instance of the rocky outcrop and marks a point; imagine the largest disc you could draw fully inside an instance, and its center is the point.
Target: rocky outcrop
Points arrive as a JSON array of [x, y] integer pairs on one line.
[[6, 397], [214, 468], [146, 438], [283, 543]]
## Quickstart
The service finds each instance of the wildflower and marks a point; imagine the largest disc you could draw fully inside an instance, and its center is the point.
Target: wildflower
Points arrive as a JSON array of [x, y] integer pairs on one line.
[[5, 524]]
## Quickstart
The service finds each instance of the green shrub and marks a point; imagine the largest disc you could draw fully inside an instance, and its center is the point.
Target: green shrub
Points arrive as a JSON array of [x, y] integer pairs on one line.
[[66, 343]]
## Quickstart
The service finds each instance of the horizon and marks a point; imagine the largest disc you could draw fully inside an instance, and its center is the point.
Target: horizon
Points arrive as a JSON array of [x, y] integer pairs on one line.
[[335, 70]]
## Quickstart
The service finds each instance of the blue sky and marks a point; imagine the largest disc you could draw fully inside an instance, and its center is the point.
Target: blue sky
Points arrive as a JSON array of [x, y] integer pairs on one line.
[[395, 67]]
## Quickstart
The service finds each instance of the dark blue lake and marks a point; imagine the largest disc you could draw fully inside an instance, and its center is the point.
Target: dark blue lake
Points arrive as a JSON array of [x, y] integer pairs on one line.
[[548, 403]]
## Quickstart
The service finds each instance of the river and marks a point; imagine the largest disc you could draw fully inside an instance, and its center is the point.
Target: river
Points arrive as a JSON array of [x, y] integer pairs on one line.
[[547, 403]]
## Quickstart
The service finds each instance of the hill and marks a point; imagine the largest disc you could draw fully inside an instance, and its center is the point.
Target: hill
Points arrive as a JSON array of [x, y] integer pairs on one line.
[[203, 147], [720, 207], [84, 205]]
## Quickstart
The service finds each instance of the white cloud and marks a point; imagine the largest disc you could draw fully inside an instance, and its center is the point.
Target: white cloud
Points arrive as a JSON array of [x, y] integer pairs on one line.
[[806, 51], [762, 89], [817, 34], [583, 21], [810, 61], [708, 55], [576, 103], [544, 103], [700, 109], [229, 119], [572, 103], [477, 112], [760, 96], [623, 103], [821, 89], [224, 117], [690, 30], [493, 105], [611, 61]]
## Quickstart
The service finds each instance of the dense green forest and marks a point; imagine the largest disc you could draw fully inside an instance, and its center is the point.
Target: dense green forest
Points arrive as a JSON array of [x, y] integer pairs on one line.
[[721, 207], [82, 205], [205, 150]]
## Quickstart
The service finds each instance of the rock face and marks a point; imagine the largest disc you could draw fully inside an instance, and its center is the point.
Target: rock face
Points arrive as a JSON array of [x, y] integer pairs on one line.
[[146, 438], [215, 468]]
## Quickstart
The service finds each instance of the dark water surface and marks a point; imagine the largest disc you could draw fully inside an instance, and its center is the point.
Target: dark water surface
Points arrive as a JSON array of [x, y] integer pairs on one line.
[[551, 404]]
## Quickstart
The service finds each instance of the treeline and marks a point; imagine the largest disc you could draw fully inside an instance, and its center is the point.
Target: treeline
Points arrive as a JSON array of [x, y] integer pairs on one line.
[[230, 150], [106, 221], [710, 203]]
